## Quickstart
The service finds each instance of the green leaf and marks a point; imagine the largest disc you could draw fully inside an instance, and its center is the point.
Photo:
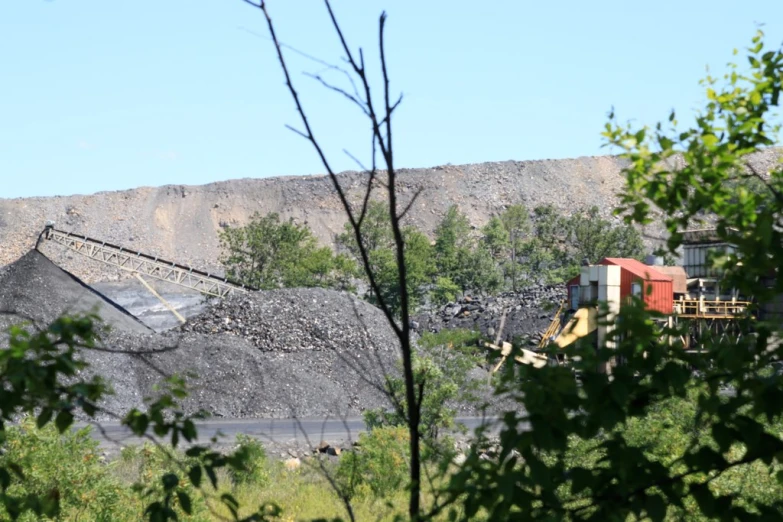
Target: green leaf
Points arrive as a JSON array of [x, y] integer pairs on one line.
[[655, 507], [5, 479], [169, 481], [231, 503], [137, 422], [704, 497], [581, 479], [44, 417], [184, 501], [212, 476], [195, 475], [195, 451], [705, 459], [189, 430], [63, 421], [724, 436]]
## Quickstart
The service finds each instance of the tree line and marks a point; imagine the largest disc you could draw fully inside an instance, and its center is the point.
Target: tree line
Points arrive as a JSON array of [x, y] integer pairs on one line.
[[514, 249]]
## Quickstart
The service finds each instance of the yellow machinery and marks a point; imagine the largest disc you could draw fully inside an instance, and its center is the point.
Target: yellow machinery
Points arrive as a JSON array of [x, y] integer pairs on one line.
[[554, 327], [581, 324]]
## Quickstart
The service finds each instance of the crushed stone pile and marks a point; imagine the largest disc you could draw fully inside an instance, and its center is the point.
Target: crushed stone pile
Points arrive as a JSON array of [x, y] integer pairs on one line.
[[231, 378], [528, 314], [34, 289], [308, 353], [297, 320]]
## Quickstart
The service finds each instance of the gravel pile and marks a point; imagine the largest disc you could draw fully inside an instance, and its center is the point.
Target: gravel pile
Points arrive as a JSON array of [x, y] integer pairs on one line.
[[308, 352], [284, 353], [529, 313], [288, 320], [34, 288], [234, 379]]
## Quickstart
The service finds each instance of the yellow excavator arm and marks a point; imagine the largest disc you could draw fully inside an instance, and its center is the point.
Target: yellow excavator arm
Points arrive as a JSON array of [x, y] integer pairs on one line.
[[581, 324]]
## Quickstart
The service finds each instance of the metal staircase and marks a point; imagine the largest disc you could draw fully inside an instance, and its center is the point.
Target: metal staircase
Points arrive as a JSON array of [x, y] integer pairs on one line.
[[142, 264]]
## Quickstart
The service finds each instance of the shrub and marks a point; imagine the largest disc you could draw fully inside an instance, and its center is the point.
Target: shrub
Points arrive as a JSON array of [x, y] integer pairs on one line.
[[64, 466], [442, 366], [255, 471], [379, 467]]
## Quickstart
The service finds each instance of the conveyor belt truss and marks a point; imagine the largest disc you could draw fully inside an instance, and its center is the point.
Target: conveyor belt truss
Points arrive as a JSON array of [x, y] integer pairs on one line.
[[143, 264]]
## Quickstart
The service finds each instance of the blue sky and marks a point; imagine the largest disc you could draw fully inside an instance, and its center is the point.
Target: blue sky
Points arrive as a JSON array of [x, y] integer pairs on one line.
[[98, 95]]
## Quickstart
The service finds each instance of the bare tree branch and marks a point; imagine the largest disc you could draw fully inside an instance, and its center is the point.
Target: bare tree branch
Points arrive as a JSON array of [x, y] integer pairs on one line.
[[356, 160], [309, 136], [382, 133], [328, 66], [411, 202], [339, 90]]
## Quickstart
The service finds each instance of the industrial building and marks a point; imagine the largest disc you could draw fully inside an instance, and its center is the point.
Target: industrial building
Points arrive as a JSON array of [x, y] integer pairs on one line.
[[689, 295]]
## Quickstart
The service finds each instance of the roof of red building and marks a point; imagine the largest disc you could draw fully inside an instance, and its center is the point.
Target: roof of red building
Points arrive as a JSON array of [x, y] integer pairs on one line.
[[637, 268], [677, 273]]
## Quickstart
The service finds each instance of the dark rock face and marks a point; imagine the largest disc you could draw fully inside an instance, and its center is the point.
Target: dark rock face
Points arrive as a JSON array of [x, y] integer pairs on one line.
[[528, 313]]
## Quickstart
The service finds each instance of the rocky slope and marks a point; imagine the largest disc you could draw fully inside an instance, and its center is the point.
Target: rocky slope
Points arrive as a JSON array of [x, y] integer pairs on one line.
[[528, 314], [33, 289], [181, 223]]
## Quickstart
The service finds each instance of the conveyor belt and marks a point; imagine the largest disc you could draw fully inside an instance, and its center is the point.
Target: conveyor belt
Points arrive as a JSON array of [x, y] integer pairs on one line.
[[140, 263]]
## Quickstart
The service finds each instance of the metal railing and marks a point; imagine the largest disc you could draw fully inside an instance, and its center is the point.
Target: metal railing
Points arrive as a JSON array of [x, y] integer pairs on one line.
[[710, 308], [140, 263]]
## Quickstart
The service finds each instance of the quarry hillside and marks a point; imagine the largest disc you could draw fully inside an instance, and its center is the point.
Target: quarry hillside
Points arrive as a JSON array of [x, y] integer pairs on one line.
[[180, 223]]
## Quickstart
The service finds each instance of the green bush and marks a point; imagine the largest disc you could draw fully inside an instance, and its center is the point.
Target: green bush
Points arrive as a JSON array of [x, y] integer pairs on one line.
[[665, 436], [442, 366], [379, 467], [65, 466], [256, 470]]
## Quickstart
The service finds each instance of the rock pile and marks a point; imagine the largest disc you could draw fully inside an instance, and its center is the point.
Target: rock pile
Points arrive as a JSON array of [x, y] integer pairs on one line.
[[307, 353], [35, 289], [528, 313], [234, 379], [283, 353], [313, 320]]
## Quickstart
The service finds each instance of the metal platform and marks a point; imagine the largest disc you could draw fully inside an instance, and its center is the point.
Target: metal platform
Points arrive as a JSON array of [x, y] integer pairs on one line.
[[710, 309]]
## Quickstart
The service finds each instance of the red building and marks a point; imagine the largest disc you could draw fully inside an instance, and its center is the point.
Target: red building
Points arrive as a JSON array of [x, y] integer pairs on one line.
[[636, 278]]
